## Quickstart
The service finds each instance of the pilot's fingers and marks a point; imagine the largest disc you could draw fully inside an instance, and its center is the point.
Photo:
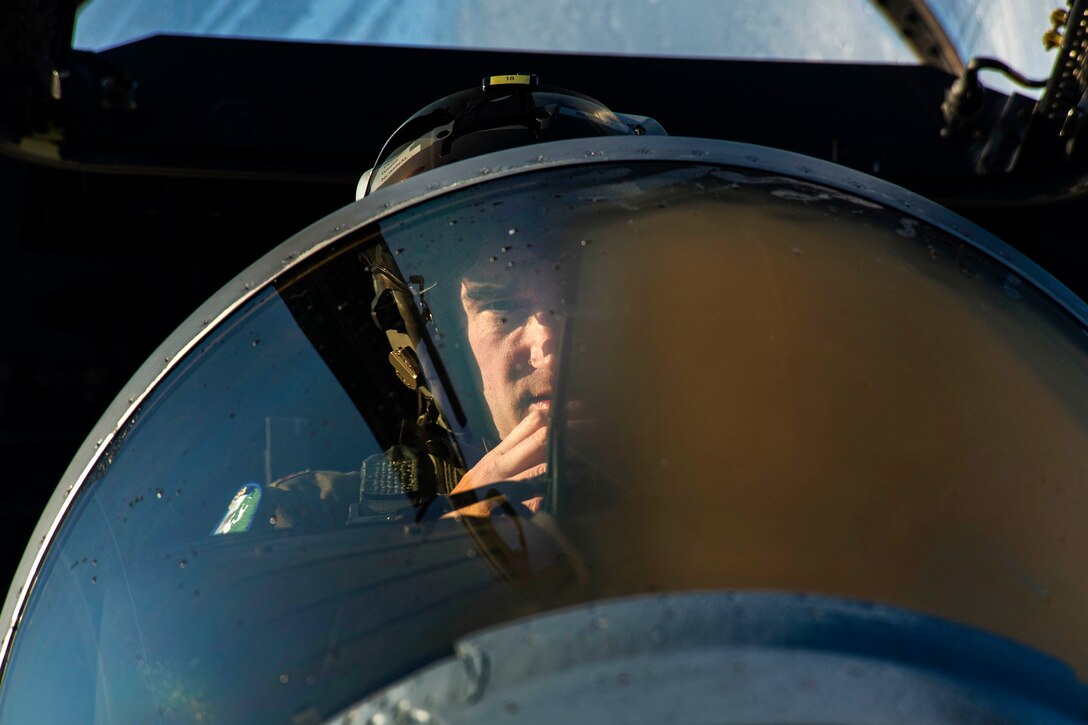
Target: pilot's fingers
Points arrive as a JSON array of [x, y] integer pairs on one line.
[[525, 451], [532, 429], [518, 456], [538, 470], [522, 461], [535, 423]]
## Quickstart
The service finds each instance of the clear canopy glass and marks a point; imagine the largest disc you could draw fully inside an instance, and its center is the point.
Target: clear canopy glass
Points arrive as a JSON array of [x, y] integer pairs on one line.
[[558, 387], [851, 30], [1011, 30], [783, 29], [844, 31]]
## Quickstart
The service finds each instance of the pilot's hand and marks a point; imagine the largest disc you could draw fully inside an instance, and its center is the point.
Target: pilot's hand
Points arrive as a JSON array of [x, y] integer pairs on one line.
[[519, 456]]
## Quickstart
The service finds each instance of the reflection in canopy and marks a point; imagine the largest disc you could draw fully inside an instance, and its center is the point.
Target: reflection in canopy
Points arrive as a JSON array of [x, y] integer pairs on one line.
[[863, 409]]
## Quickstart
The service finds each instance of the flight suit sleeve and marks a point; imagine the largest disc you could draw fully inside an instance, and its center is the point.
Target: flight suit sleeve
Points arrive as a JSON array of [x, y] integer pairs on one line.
[[305, 501]]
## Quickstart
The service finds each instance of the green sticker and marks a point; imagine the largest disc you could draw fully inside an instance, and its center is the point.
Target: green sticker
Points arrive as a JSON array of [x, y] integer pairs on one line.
[[241, 511]]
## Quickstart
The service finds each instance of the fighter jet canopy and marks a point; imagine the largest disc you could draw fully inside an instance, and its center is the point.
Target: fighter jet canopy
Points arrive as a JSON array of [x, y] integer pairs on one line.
[[784, 408]]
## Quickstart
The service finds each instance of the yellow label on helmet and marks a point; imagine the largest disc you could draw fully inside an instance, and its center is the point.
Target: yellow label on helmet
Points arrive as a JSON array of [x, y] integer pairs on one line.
[[519, 80]]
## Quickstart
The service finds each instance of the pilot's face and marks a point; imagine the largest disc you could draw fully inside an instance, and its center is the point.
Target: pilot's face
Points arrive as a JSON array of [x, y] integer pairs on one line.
[[512, 326]]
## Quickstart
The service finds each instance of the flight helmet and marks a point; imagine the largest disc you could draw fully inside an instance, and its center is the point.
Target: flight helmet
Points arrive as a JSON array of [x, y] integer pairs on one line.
[[504, 111]]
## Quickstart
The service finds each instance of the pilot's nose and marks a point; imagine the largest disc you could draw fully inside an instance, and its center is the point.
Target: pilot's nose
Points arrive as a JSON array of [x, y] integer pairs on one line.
[[541, 335]]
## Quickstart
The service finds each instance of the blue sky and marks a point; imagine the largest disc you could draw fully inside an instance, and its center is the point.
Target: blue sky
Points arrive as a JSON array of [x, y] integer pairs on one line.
[[851, 30], [749, 28]]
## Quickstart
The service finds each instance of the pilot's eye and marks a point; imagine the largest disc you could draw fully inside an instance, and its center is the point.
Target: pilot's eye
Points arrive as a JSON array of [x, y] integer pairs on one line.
[[503, 304]]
